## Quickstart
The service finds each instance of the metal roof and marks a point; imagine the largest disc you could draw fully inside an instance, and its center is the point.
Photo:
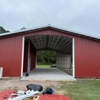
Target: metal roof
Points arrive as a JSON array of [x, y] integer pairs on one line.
[[52, 42], [49, 26]]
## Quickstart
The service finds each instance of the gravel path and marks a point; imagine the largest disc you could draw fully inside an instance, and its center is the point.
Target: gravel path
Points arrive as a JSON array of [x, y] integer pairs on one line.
[[16, 83]]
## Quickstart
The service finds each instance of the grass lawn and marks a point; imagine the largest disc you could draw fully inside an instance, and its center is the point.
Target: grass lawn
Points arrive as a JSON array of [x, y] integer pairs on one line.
[[42, 66], [80, 90]]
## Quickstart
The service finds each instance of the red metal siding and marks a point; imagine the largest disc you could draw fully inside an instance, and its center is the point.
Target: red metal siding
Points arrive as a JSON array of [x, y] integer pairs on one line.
[[25, 56], [87, 58], [33, 56], [10, 55], [47, 32]]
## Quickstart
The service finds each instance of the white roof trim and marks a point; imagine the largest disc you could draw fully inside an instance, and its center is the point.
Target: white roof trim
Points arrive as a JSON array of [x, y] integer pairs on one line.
[[25, 30], [20, 31]]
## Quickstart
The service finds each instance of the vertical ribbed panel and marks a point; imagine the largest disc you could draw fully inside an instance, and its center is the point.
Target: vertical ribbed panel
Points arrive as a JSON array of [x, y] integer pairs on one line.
[[63, 61], [10, 56], [48, 32], [33, 56], [87, 58], [25, 57]]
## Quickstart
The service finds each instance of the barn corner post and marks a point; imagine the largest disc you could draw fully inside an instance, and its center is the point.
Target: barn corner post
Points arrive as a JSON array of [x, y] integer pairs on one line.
[[22, 62], [73, 55]]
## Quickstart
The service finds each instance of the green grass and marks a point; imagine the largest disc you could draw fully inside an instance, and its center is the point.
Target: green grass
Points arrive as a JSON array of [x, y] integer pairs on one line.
[[42, 66], [80, 90]]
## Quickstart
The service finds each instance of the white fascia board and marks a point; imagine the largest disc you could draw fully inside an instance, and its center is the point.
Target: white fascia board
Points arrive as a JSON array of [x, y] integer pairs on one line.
[[22, 62]]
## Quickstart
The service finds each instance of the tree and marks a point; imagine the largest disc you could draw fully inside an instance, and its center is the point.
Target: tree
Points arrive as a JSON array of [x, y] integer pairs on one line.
[[2, 30], [23, 28], [46, 57]]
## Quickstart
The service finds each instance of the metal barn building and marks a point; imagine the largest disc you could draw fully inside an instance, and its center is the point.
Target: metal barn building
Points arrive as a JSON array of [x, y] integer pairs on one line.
[[79, 51]]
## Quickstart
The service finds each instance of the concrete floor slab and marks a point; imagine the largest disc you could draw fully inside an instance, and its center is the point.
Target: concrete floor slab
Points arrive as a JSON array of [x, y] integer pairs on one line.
[[48, 74]]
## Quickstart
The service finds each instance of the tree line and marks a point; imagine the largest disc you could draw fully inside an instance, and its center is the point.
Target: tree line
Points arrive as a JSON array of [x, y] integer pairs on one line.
[[2, 30], [46, 57]]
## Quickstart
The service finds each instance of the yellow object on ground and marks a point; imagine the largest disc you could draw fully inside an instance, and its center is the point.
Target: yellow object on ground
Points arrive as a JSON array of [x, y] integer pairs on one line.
[[32, 98]]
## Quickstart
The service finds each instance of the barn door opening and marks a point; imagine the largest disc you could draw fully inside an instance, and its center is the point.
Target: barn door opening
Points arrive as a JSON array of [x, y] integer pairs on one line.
[[60, 44]]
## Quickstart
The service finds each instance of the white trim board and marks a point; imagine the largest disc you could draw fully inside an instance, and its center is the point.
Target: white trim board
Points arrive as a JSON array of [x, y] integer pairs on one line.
[[22, 62], [73, 55]]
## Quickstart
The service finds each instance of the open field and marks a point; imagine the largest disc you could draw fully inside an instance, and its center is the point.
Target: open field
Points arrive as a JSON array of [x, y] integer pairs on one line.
[[43, 66], [76, 90]]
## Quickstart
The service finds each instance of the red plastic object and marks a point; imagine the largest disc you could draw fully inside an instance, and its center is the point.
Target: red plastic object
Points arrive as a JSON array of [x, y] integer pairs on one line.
[[5, 94], [53, 97]]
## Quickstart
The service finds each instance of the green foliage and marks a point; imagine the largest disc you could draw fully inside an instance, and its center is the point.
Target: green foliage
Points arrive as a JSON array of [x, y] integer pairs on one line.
[[46, 57], [2, 30]]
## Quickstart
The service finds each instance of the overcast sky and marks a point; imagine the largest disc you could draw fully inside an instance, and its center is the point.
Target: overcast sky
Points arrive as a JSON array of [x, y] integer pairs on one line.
[[82, 16]]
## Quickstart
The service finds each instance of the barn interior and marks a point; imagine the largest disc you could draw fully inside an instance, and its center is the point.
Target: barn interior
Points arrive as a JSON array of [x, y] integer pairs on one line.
[[62, 45]]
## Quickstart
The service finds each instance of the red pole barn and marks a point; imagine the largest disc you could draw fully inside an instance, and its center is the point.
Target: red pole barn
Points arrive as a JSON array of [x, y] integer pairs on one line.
[[18, 50]]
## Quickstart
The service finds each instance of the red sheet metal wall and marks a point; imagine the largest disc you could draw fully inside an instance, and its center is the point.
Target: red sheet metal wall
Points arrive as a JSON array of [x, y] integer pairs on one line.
[[87, 58], [11, 55], [48, 32], [32, 55], [25, 56]]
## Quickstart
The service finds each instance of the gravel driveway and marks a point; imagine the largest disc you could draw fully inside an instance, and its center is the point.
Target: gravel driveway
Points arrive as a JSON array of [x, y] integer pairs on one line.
[[16, 83]]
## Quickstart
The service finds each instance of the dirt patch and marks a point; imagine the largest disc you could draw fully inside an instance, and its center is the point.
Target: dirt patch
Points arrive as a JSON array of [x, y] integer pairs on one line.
[[16, 83], [68, 71]]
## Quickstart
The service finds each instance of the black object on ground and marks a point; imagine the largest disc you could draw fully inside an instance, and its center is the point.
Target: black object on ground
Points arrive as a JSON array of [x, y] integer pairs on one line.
[[48, 91], [26, 74], [34, 87]]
